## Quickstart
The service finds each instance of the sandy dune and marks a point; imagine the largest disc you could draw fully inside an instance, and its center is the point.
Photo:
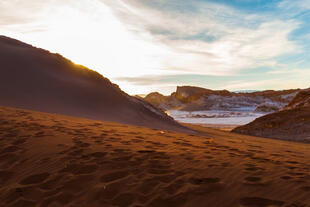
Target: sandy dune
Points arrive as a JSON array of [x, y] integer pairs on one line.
[[35, 79], [54, 160]]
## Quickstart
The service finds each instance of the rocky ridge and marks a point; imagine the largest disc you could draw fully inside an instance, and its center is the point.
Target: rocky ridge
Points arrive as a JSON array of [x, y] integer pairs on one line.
[[188, 98]]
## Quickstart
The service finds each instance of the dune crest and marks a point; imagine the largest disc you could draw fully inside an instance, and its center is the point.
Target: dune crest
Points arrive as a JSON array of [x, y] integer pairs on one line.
[[32, 78]]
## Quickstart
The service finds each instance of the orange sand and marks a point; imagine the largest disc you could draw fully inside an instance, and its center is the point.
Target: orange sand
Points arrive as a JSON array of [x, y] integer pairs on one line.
[[54, 160]]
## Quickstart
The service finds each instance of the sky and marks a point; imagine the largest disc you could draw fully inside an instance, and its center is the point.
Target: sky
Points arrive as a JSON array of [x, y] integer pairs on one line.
[[156, 45]]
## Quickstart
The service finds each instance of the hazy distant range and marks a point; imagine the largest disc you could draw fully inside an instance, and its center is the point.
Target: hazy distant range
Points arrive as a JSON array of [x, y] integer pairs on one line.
[[197, 105]]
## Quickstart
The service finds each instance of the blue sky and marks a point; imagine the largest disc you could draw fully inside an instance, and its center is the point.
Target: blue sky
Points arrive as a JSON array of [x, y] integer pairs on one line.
[[155, 45]]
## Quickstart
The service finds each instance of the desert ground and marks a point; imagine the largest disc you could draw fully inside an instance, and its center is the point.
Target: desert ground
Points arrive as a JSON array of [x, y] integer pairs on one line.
[[223, 127], [55, 160]]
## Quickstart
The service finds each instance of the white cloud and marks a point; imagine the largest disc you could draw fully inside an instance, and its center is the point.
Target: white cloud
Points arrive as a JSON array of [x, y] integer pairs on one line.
[[27, 11], [240, 41], [295, 6], [84, 31], [131, 39]]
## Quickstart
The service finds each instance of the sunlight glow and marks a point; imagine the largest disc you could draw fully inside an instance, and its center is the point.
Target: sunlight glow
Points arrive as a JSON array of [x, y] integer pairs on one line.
[[130, 42], [89, 34]]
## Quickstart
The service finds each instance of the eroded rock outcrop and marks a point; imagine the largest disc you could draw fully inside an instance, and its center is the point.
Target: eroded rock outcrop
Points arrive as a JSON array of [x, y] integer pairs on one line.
[[190, 98], [290, 123]]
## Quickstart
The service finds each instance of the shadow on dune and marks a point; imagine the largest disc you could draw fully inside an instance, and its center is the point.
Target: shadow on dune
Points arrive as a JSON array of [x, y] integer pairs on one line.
[[36, 79]]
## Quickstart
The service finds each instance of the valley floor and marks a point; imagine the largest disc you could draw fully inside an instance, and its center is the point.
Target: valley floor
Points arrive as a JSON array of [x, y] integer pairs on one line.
[[55, 160], [223, 127]]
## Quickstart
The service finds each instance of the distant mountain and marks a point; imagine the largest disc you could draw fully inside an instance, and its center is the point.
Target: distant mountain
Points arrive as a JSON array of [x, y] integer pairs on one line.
[[35, 79], [291, 123], [190, 98]]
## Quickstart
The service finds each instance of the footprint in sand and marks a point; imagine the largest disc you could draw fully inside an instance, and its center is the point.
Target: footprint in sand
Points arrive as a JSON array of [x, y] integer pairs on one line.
[[19, 141], [63, 198], [276, 154], [83, 145], [76, 152], [256, 151], [156, 144], [10, 149], [99, 142], [146, 151], [113, 139], [175, 186], [255, 146], [124, 200], [147, 186], [34, 179], [305, 188], [205, 185], [286, 177], [98, 155], [125, 142], [79, 169], [108, 192], [76, 184], [136, 140], [291, 167], [175, 200], [168, 178], [158, 171], [202, 181], [226, 164], [296, 173], [122, 158], [255, 181], [10, 135], [297, 204], [40, 134], [53, 183], [252, 167], [24, 203], [259, 202], [5, 176], [292, 162], [114, 176]]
